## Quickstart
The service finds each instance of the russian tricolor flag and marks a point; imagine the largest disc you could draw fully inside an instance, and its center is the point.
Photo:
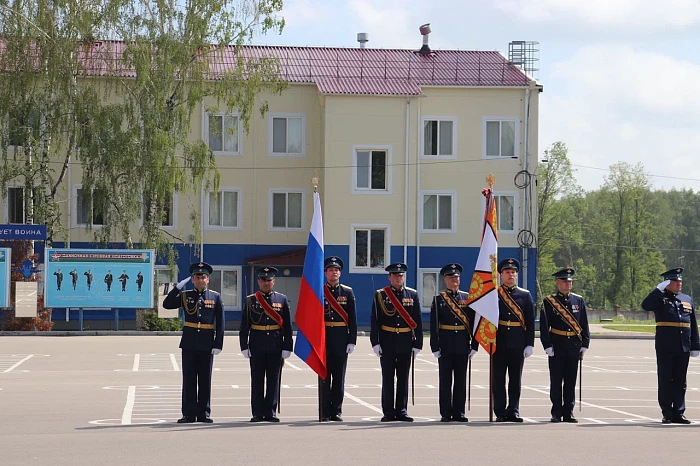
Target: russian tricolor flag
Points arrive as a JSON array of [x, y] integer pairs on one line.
[[310, 344]]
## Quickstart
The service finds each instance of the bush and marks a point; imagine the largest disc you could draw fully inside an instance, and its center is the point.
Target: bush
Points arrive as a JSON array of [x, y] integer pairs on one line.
[[152, 323], [41, 323]]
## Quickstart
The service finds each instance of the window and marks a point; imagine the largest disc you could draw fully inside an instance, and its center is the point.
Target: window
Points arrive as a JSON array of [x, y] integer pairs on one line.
[[227, 281], [223, 132], [89, 207], [500, 137], [431, 284], [14, 203], [286, 210], [438, 211], [22, 126], [166, 209], [369, 248], [505, 210], [224, 209], [371, 172], [165, 279], [287, 135], [438, 137]]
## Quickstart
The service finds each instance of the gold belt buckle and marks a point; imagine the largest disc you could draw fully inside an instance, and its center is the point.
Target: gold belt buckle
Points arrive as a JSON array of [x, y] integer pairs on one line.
[[199, 325], [397, 330], [267, 327]]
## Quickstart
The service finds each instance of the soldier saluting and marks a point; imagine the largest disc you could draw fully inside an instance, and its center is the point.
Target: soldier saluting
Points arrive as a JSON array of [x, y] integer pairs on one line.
[[676, 339], [59, 279], [396, 333], [451, 322]]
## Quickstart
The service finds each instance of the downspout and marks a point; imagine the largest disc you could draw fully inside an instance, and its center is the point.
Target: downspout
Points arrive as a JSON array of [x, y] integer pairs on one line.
[[418, 200], [201, 228], [407, 166], [526, 191]]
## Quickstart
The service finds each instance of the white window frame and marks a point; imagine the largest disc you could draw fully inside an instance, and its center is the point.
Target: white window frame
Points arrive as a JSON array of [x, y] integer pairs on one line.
[[239, 284], [205, 131], [516, 211], [453, 195], [270, 206], [239, 208], [173, 213], [74, 207], [516, 142], [353, 179], [387, 247], [454, 137], [270, 135], [426, 301]]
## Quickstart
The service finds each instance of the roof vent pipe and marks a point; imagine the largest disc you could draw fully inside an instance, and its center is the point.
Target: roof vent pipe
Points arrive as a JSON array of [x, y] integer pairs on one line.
[[425, 32], [362, 38]]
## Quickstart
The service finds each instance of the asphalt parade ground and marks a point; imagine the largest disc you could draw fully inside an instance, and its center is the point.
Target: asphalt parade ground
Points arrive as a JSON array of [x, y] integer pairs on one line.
[[114, 400]]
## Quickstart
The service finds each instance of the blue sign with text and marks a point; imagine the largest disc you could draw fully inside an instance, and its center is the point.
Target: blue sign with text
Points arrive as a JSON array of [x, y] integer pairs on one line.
[[26, 232], [105, 278], [5, 262]]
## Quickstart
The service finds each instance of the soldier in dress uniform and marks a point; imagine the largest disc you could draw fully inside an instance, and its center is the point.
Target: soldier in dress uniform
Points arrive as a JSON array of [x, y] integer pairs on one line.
[[123, 278], [451, 323], [396, 334], [89, 276], [202, 339], [108, 280], [341, 335], [676, 340], [266, 339], [139, 280], [515, 340], [74, 277], [565, 338], [59, 278]]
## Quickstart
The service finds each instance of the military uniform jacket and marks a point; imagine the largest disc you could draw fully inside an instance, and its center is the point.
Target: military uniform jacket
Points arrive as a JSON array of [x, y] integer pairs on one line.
[[516, 337], [549, 319], [451, 341], [669, 307], [108, 278], [266, 341], [338, 338], [384, 314], [205, 308]]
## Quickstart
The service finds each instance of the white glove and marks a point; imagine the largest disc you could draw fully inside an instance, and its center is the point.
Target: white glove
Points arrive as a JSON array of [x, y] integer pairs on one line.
[[181, 285], [377, 350], [695, 353], [286, 354], [246, 353], [350, 348], [215, 351], [437, 354], [661, 286], [549, 351], [583, 350], [472, 353], [527, 352], [416, 351]]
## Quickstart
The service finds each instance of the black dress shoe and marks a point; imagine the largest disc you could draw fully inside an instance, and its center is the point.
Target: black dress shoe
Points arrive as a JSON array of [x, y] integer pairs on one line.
[[445, 419], [325, 419], [460, 419], [501, 419], [204, 419], [680, 420], [515, 418], [336, 418], [404, 418], [388, 419], [570, 419], [666, 420], [185, 420], [555, 419], [256, 419], [272, 419]]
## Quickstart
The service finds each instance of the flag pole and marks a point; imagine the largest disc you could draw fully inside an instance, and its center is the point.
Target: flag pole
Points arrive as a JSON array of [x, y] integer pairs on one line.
[[490, 382], [314, 182]]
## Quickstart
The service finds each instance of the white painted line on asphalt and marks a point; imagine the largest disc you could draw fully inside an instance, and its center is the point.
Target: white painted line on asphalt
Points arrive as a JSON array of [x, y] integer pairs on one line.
[[174, 363], [363, 403], [533, 421], [429, 362], [624, 388], [137, 359], [597, 421], [430, 386], [293, 366], [129, 406], [9, 369], [235, 386], [586, 403]]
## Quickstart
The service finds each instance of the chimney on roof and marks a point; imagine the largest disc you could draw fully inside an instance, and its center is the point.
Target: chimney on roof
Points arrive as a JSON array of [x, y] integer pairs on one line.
[[425, 32], [362, 38]]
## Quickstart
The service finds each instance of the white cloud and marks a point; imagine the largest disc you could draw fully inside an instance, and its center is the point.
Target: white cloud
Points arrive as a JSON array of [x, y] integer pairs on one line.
[[617, 104], [628, 14], [297, 13]]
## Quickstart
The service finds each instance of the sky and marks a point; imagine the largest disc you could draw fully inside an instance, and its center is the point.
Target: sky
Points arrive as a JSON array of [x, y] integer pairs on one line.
[[621, 77]]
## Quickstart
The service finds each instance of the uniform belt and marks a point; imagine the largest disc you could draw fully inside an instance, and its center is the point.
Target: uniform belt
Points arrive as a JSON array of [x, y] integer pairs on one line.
[[199, 325], [265, 328], [335, 324], [565, 333], [452, 327], [673, 324], [386, 328], [509, 323]]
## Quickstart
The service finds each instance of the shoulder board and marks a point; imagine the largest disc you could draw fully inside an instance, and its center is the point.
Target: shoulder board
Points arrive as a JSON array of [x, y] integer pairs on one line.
[[577, 295], [250, 296], [216, 293], [379, 290], [410, 289], [345, 287], [522, 289]]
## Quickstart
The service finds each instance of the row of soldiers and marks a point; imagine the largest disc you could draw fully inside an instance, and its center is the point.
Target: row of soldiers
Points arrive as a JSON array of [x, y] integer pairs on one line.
[[397, 337]]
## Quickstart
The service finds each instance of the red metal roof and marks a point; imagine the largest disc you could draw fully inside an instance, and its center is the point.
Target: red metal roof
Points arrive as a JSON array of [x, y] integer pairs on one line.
[[346, 70]]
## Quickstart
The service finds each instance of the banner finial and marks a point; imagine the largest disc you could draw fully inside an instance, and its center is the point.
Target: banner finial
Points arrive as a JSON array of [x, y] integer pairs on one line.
[[490, 180]]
